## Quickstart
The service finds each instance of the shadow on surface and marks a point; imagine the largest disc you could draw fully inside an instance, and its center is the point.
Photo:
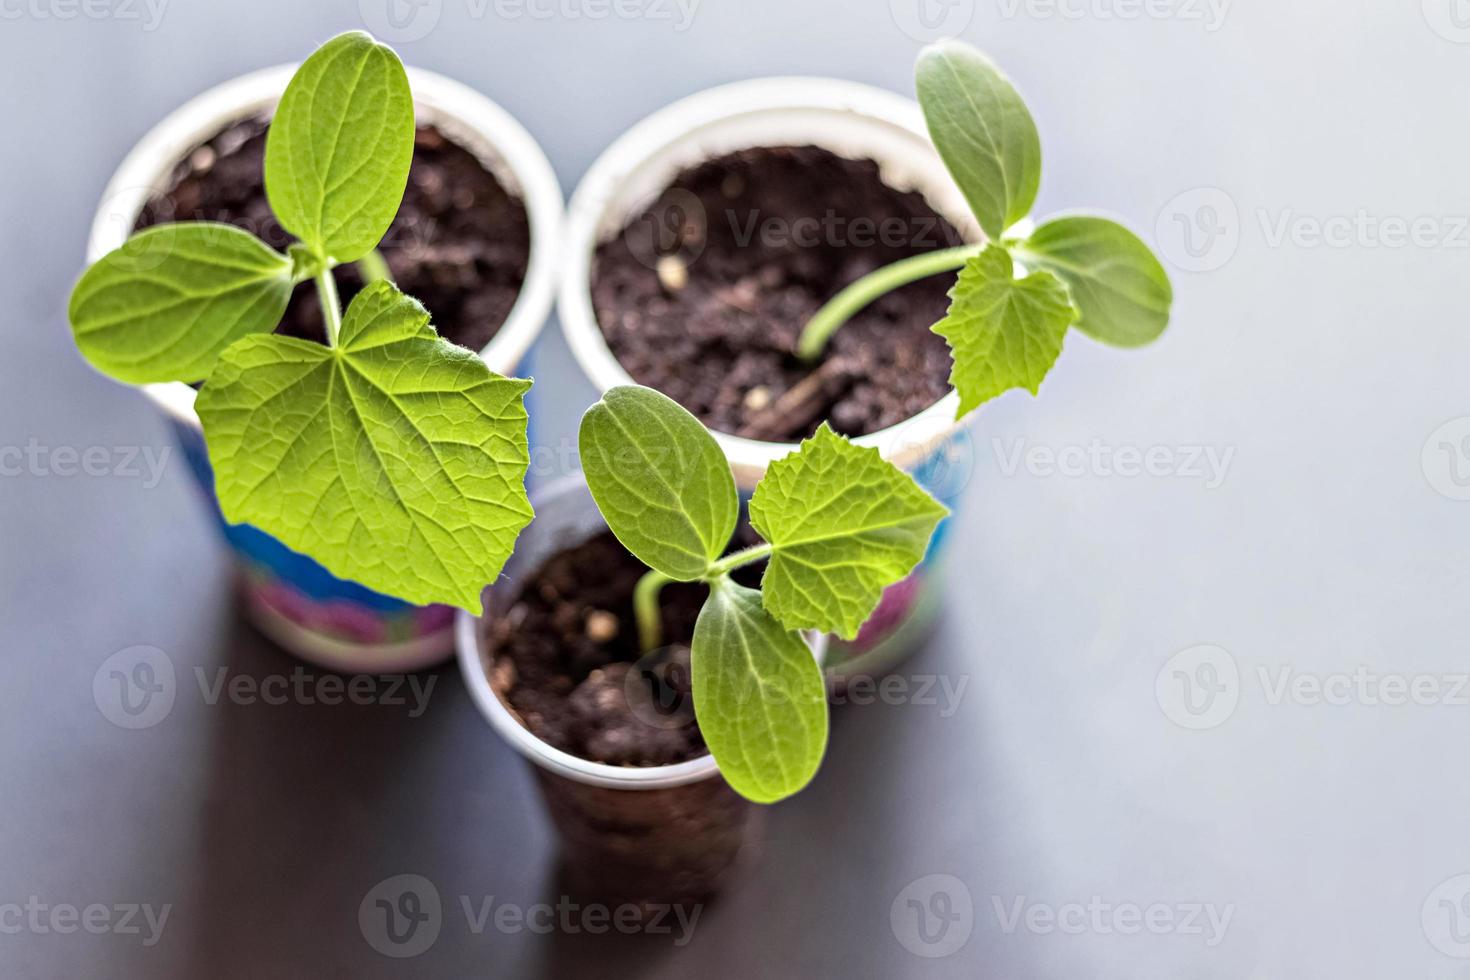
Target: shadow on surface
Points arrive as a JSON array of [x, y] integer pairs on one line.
[[309, 803]]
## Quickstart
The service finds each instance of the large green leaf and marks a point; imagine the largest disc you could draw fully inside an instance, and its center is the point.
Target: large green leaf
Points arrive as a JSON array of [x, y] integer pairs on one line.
[[844, 524], [339, 147], [1003, 332], [396, 459], [983, 132], [758, 695], [1119, 287], [660, 479], [165, 305]]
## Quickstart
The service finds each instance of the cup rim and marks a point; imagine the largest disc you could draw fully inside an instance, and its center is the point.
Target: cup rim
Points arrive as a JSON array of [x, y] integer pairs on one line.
[[148, 163], [641, 143], [467, 643]]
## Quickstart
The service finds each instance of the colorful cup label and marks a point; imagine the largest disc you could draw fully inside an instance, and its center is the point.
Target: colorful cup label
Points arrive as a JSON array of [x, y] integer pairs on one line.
[[287, 585]]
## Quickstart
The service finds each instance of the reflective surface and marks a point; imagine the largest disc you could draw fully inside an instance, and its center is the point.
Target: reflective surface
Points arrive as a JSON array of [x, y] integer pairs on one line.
[[1219, 700]]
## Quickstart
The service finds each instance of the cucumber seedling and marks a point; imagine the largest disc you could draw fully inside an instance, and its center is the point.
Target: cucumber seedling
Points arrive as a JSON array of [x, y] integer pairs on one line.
[[1006, 331], [840, 524], [391, 456]]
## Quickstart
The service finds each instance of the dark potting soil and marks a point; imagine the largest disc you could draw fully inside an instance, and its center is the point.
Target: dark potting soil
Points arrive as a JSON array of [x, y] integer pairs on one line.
[[566, 658], [704, 293], [459, 245]]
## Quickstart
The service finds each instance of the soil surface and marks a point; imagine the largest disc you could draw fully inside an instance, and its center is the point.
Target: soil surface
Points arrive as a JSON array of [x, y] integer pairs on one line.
[[566, 658], [703, 295], [459, 245]]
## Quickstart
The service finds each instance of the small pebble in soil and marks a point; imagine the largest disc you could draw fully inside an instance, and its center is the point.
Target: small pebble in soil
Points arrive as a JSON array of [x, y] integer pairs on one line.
[[563, 653], [601, 626], [672, 273], [785, 228], [460, 243]]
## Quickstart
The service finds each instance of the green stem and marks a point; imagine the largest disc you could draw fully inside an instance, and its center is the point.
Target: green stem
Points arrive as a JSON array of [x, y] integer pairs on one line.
[[645, 609], [840, 308], [646, 592], [374, 267], [739, 559], [326, 290]]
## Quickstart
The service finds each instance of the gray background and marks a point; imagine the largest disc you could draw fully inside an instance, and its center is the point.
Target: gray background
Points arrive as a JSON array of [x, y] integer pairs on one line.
[[1332, 834]]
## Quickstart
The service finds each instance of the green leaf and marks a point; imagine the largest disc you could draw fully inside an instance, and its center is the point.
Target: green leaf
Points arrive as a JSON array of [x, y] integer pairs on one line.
[[660, 479], [395, 459], [339, 147], [844, 524], [759, 696], [1119, 287], [165, 305], [983, 132], [1003, 332]]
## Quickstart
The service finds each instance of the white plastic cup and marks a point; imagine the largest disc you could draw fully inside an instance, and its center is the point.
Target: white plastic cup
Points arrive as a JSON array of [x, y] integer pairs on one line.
[[853, 121], [322, 619], [640, 834]]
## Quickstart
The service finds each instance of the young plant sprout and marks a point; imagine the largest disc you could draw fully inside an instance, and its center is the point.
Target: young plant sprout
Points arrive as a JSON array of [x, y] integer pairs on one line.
[[840, 524], [1006, 332], [391, 456]]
